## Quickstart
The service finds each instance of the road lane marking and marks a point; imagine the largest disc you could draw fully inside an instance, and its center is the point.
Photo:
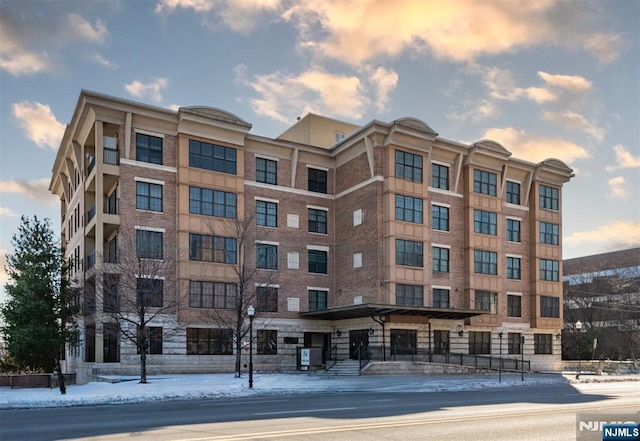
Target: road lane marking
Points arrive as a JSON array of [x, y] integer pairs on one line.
[[243, 402], [285, 412]]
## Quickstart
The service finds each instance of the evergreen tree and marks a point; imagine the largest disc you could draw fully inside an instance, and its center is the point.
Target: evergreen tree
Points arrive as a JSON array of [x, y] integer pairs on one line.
[[38, 315]]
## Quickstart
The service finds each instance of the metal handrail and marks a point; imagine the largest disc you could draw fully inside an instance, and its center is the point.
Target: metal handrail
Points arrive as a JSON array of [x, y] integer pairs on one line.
[[364, 355], [331, 355]]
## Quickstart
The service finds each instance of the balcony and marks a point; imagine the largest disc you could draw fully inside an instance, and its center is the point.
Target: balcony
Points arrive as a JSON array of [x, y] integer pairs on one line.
[[92, 164], [111, 156], [111, 205], [91, 260], [91, 213]]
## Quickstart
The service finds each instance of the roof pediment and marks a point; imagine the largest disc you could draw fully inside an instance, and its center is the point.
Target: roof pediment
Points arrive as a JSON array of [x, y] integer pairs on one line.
[[415, 123], [215, 113], [492, 146]]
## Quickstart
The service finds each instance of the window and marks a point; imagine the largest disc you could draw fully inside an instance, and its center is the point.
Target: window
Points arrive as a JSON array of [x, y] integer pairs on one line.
[[317, 181], [267, 341], [440, 341], [266, 171], [212, 202], [317, 221], [485, 222], [549, 233], [514, 306], [111, 343], [486, 301], [212, 248], [549, 270], [513, 268], [440, 217], [409, 253], [440, 298], [317, 261], [266, 256], [513, 193], [212, 157], [154, 340], [111, 289], [267, 214], [485, 262], [408, 166], [149, 244], [485, 182], [513, 230], [206, 341], [148, 196], [440, 176], [267, 299], [440, 259], [549, 307], [217, 295], [542, 344], [479, 342], [148, 148], [317, 300], [409, 295], [408, 209], [514, 342], [404, 341], [548, 198], [149, 292]]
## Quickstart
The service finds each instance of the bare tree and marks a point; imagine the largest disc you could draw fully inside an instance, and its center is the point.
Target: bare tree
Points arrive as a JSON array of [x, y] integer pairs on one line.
[[139, 291], [248, 270]]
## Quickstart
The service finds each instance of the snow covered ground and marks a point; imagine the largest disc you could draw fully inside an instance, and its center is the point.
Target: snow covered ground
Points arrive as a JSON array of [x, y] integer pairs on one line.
[[185, 387]]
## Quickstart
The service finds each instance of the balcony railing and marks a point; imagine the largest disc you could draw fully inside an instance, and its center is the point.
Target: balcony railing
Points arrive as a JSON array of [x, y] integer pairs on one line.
[[92, 163], [91, 260], [111, 205], [91, 213], [111, 157]]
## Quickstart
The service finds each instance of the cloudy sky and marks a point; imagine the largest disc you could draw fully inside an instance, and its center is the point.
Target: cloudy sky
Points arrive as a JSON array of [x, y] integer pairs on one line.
[[544, 78]]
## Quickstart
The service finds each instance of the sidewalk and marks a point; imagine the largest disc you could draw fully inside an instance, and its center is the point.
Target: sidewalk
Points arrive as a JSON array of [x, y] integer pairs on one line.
[[187, 387]]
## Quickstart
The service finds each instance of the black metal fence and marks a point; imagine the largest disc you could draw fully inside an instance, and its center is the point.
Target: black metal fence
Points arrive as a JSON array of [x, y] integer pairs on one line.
[[479, 361]]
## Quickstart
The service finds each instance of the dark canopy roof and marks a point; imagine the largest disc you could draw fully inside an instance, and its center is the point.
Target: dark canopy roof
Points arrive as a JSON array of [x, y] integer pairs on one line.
[[377, 310]]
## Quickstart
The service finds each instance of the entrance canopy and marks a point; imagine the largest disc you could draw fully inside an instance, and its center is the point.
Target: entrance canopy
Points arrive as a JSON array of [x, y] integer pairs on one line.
[[380, 310]]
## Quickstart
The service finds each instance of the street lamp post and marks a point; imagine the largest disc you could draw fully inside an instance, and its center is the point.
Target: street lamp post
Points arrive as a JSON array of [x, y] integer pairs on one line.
[[522, 358], [500, 360], [251, 313], [579, 329]]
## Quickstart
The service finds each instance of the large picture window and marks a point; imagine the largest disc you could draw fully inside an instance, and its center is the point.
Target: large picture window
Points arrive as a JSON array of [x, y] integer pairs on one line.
[[440, 259], [513, 230], [218, 295], [212, 202], [317, 180], [267, 298], [513, 193], [207, 341], [542, 344], [514, 305], [317, 221], [266, 256], [149, 292], [149, 244], [408, 209], [317, 300], [485, 222], [513, 268], [267, 341], [549, 233], [549, 307], [440, 217], [549, 270], [318, 261], [479, 342], [409, 253], [485, 262], [266, 171], [409, 295], [408, 166], [485, 182], [441, 298], [212, 157], [486, 301], [440, 176], [217, 249], [549, 198], [266, 214]]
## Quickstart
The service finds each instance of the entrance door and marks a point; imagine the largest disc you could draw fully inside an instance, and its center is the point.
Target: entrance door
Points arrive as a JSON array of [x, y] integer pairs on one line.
[[357, 338], [318, 340]]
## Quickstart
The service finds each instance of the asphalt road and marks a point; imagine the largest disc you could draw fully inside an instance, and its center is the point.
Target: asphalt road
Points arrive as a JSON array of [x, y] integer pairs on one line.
[[520, 413]]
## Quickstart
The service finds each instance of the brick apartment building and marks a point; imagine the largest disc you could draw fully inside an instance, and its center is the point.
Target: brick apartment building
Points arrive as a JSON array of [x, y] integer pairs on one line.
[[384, 234]]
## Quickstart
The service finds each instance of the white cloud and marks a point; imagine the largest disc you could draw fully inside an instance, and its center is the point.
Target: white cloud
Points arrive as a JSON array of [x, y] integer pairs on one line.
[[614, 235], [572, 83], [39, 123], [79, 26], [624, 158], [37, 190], [102, 61], [283, 96], [618, 187], [19, 62], [239, 15], [603, 46], [502, 86], [7, 212], [474, 111], [540, 94], [574, 120], [535, 148], [151, 90]]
